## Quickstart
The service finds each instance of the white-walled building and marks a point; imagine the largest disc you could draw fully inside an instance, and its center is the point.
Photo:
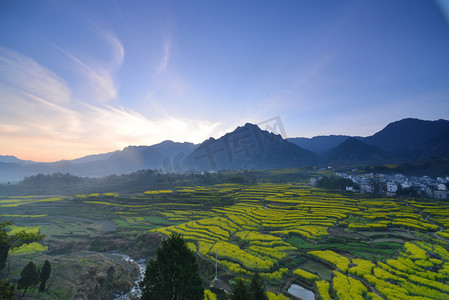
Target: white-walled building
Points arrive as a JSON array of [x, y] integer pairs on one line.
[[392, 187], [440, 194], [406, 185]]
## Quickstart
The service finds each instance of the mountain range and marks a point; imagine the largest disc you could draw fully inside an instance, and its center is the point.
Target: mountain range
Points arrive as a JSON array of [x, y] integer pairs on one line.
[[248, 148]]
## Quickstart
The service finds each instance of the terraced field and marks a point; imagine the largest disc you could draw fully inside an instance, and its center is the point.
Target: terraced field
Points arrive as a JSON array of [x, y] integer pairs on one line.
[[342, 246], [380, 247]]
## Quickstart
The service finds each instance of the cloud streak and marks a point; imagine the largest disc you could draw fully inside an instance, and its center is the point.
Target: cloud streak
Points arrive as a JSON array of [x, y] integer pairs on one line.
[[98, 75], [163, 64], [35, 123], [295, 94], [99, 80], [21, 72], [117, 49]]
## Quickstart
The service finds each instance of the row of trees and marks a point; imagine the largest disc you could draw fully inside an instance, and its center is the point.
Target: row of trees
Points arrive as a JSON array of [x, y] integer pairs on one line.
[[335, 183], [59, 183], [432, 167], [31, 276]]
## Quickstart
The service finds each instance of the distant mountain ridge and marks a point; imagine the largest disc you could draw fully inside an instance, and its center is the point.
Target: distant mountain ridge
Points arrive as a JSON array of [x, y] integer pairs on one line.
[[249, 147], [355, 152], [13, 160], [130, 159], [407, 135], [93, 157], [319, 144], [436, 147], [405, 138]]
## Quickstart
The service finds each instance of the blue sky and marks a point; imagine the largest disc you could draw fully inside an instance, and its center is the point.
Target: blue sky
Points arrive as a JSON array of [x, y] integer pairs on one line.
[[84, 77]]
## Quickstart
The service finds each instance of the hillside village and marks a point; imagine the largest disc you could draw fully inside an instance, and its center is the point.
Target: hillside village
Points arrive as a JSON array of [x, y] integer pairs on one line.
[[397, 184]]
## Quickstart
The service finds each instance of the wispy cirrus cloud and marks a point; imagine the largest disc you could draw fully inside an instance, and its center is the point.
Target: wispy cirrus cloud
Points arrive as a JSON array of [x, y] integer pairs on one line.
[[116, 46], [163, 64], [98, 81], [98, 74], [295, 95], [32, 96], [36, 123], [23, 73]]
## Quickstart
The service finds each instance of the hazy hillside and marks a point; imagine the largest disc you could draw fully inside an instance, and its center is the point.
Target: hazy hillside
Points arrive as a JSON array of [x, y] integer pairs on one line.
[[437, 147], [133, 158], [355, 152], [319, 144], [13, 159], [406, 135], [400, 141], [160, 156], [403, 136], [93, 157], [249, 147]]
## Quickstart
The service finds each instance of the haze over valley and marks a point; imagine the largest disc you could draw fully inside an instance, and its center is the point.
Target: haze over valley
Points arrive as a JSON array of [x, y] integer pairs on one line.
[[249, 147]]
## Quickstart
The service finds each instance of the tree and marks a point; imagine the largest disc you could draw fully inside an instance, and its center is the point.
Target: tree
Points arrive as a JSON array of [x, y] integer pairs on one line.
[[6, 290], [336, 182], [257, 288], [8, 242], [4, 245], [45, 274], [174, 273], [110, 272], [29, 277], [239, 291]]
